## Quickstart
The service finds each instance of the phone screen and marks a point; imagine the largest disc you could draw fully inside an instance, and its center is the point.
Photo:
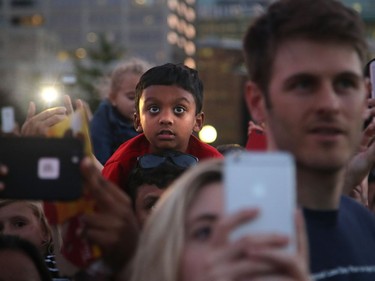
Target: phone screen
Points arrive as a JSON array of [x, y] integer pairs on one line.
[[7, 119], [265, 181], [41, 168], [372, 78]]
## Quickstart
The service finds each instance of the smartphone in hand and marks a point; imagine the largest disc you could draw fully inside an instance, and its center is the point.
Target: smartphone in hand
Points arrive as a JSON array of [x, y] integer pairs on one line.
[[7, 119], [372, 78], [265, 181], [41, 168]]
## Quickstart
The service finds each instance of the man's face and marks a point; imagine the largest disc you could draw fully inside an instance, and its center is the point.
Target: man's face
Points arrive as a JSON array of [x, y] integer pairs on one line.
[[317, 96], [167, 116]]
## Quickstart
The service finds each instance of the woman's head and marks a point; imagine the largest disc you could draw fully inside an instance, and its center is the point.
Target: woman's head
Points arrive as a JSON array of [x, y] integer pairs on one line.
[[164, 238], [26, 219]]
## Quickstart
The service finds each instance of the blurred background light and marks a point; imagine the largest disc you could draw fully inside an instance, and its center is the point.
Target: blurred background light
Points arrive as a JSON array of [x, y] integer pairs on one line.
[[49, 94], [208, 134]]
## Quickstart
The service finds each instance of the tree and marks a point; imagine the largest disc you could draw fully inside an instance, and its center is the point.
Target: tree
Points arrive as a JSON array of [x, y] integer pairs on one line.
[[96, 66]]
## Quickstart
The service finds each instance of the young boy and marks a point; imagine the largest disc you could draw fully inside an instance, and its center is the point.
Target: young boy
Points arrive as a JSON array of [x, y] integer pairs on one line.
[[168, 103], [151, 177], [305, 61]]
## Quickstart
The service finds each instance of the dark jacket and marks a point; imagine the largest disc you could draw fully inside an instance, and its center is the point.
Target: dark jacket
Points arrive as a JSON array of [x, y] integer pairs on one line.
[[109, 129]]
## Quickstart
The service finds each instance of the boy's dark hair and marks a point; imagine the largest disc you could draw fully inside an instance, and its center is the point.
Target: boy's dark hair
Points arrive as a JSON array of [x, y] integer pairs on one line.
[[15, 243], [230, 148], [316, 20], [160, 176], [172, 74]]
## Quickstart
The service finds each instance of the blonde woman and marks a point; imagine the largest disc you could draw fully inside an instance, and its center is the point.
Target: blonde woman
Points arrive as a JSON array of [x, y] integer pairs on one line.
[[186, 238], [26, 220]]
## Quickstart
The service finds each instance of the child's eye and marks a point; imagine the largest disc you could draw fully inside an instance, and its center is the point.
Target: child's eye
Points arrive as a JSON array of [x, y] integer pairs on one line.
[[154, 109], [179, 110]]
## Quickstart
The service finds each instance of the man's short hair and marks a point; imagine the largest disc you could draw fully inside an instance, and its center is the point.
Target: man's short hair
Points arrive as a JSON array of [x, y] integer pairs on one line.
[[170, 74], [316, 20]]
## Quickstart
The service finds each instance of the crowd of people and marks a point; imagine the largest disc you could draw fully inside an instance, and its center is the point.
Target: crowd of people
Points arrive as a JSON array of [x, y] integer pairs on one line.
[[308, 95]]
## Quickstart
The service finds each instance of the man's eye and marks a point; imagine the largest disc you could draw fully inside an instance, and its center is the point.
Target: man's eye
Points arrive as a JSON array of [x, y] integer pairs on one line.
[[345, 84], [179, 110], [154, 109], [304, 84]]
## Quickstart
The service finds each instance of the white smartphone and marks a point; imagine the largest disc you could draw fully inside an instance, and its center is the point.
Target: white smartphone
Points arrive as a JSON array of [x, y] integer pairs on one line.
[[372, 78], [265, 181], [7, 119]]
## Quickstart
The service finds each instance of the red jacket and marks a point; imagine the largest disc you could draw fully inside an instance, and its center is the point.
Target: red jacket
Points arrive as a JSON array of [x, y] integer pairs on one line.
[[123, 160]]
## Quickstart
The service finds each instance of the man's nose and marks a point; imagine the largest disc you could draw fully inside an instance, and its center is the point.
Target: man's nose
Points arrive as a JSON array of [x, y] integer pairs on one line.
[[327, 99]]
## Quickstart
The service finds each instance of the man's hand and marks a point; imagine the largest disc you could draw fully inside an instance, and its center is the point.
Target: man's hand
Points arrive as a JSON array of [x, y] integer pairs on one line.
[[3, 172], [38, 124], [362, 162], [113, 226]]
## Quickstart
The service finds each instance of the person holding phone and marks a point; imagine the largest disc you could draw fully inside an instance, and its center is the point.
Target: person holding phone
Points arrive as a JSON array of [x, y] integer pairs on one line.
[[187, 237], [305, 62]]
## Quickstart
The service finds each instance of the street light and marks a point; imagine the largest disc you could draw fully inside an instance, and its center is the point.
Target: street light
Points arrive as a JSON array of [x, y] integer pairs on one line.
[[208, 134]]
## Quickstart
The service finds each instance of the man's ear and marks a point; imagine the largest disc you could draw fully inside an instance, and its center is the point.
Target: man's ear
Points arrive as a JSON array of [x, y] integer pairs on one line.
[[137, 123], [199, 120], [255, 102]]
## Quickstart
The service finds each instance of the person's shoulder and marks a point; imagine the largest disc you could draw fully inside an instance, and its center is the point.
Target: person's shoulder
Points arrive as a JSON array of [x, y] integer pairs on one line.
[[351, 208], [103, 111], [104, 106], [348, 202], [202, 150]]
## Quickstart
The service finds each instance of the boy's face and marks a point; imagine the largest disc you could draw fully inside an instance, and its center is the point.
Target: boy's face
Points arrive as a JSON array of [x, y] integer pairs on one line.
[[167, 117], [317, 96]]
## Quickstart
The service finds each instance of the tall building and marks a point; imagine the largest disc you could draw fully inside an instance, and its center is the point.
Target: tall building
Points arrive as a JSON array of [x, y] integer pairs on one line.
[[221, 25], [37, 37]]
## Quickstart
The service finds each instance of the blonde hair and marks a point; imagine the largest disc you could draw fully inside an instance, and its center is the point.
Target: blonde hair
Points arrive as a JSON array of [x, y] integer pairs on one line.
[[132, 66], [38, 211], [162, 241]]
